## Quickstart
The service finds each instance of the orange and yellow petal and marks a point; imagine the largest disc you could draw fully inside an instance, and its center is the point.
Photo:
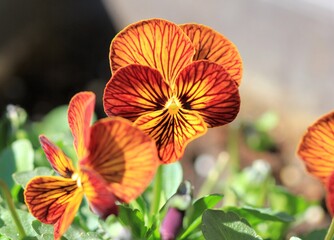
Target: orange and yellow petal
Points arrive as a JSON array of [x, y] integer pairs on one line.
[[123, 155], [100, 197], [157, 43], [213, 46], [207, 88], [80, 113], [133, 91], [53, 200], [317, 148], [172, 131], [57, 158]]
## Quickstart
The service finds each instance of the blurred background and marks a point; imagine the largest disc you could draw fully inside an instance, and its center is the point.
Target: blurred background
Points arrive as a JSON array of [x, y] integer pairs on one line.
[[50, 50]]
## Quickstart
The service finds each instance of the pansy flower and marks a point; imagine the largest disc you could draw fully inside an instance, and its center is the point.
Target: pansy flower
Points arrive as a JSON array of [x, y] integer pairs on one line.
[[317, 151], [173, 82], [116, 161]]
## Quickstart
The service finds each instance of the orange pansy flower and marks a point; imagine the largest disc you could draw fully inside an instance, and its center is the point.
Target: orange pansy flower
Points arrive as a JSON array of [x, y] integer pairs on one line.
[[173, 82], [317, 151], [116, 162]]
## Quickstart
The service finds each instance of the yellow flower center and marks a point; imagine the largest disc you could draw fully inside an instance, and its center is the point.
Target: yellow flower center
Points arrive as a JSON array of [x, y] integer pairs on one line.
[[76, 177], [173, 105]]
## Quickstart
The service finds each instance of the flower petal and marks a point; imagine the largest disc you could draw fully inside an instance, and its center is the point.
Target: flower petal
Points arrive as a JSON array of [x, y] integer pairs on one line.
[[135, 90], [57, 158], [123, 155], [211, 45], [207, 88], [80, 113], [317, 147], [157, 43], [172, 132], [53, 200], [101, 199]]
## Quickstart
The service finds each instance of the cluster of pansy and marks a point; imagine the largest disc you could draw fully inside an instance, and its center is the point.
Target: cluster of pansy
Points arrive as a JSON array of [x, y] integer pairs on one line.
[[169, 84], [316, 149]]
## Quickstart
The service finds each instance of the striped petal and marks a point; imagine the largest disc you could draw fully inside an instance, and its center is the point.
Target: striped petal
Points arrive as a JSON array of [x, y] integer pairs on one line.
[[53, 200], [57, 158], [157, 43], [80, 113], [172, 132], [207, 88], [123, 155], [135, 90], [101, 199], [317, 148], [213, 46]]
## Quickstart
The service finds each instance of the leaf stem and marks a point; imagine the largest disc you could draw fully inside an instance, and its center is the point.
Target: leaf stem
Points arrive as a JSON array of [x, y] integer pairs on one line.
[[156, 191], [11, 206], [330, 232]]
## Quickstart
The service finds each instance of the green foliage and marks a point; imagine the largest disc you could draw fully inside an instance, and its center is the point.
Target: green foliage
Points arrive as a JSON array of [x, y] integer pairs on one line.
[[22, 178], [259, 215], [194, 214], [171, 179], [248, 205], [19, 156], [9, 229], [218, 225], [256, 133], [133, 219], [315, 235]]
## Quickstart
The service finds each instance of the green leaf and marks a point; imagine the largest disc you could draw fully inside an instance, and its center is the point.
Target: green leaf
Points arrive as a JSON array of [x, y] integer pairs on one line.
[[8, 227], [282, 200], [24, 155], [203, 203], [195, 212], [112, 228], [78, 233], [133, 219], [139, 204], [54, 122], [258, 215], [22, 178], [44, 231], [218, 225], [171, 178], [19, 156], [8, 167], [316, 234]]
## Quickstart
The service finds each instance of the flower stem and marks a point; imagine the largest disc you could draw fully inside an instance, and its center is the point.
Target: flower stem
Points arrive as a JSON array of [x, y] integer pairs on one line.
[[233, 147], [156, 192], [330, 232], [214, 175], [10, 203]]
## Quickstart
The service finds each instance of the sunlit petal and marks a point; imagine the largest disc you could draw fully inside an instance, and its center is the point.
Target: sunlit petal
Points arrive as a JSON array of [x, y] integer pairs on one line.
[[172, 132], [123, 155], [53, 200], [101, 199], [57, 158], [330, 193], [157, 43], [80, 113], [213, 46], [207, 88], [317, 147], [133, 91]]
